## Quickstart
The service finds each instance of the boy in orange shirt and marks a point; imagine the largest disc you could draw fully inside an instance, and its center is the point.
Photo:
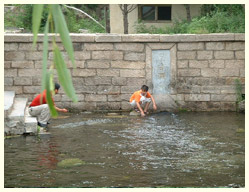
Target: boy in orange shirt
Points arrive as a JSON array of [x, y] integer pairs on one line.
[[142, 97]]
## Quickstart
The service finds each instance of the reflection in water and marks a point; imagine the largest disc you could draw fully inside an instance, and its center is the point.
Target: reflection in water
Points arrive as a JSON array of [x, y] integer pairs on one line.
[[161, 150]]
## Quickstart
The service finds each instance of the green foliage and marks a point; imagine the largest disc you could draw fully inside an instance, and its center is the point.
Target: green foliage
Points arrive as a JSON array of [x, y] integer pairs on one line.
[[238, 88], [56, 20], [22, 18], [214, 19]]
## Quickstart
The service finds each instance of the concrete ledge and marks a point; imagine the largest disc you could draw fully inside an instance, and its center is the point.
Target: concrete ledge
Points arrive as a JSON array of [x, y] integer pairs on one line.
[[27, 38]]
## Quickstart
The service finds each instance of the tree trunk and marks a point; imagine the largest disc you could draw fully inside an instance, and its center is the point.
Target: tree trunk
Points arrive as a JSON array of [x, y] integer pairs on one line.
[[107, 20], [187, 6], [125, 19]]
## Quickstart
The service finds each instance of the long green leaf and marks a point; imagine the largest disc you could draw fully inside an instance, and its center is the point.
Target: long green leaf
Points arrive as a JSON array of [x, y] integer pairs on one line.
[[45, 55], [36, 20], [49, 97], [61, 27], [64, 74]]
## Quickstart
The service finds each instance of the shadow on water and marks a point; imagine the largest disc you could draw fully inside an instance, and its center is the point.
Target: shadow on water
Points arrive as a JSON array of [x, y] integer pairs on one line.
[[191, 149]]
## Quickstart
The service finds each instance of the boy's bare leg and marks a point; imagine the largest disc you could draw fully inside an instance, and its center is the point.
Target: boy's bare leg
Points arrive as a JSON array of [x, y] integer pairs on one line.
[[146, 107]]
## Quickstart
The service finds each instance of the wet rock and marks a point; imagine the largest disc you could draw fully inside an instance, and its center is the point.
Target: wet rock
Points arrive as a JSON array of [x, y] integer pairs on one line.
[[241, 106], [112, 114], [134, 113], [70, 162], [240, 130]]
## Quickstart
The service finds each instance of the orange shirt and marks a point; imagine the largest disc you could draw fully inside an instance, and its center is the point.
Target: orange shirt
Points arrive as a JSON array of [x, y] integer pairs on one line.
[[137, 96], [37, 100]]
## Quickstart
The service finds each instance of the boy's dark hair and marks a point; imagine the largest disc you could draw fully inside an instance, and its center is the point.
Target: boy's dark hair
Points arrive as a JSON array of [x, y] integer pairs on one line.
[[57, 86], [145, 88]]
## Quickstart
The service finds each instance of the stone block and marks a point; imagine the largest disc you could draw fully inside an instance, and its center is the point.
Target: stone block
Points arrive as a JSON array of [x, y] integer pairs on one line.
[[119, 81], [186, 54], [210, 72], [8, 81], [126, 97], [22, 80], [128, 64], [82, 55], [38, 64], [114, 105], [98, 46], [114, 97], [235, 46], [211, 89], [235, 64], [215, 37], [78, 64], [108, 55], [230, 72], [84, 72], [29, 72], [242, 72], [18, 89], [76, 37], [189, 72], [133, 56], [215, 46], [95, 98], [108, 90], [27, 47], [182, 64], [98, 64], [224, 54], [198, 64], [134, 81], [178, 38], [23, 64], [216, 63], [129, 89], [7, 64], [228, 106], [108, 38], [14, 56], [82, 89], [240, 54], [197, 97], [108, 72], [190, 46], [98, 80], [132, 73], [36, 55], [223, 97], [50, 46], [228, 89], [136, 47], [10, 46], [125, 105], [140, 38], [167, 46], [78, 46], [239, 36], [10, 72], [31, 89], [204, 55], [64, 56]]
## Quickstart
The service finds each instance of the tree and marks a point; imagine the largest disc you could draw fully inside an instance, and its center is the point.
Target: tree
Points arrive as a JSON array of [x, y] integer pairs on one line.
[[126, 9], [187, 7]]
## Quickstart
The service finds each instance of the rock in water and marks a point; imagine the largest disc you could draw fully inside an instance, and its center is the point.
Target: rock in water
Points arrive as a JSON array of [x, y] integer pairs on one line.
[[134, 113], [70, 162]]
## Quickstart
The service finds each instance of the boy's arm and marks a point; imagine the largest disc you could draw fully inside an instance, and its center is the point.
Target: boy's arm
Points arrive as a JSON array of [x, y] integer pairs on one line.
[[140, 108], [154, 103], [60, 110]]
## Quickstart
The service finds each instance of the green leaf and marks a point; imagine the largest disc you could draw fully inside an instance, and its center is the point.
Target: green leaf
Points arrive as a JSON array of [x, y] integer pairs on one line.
[[61, 27], [64, 74], [36, 20], [49, 97], [45, 55]]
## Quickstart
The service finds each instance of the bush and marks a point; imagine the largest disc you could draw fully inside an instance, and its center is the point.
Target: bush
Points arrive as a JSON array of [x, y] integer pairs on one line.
[[214, 19]]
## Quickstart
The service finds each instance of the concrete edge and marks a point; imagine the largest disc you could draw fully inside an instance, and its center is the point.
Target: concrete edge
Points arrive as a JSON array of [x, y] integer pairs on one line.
[[28, 38]]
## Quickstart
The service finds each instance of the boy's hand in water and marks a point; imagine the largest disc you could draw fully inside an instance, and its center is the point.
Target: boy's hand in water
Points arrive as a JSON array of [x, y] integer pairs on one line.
[[142, 114], [64, 110]]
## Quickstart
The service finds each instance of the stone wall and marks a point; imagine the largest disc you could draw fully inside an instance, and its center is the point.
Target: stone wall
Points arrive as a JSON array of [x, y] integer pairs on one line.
[[109, 68]]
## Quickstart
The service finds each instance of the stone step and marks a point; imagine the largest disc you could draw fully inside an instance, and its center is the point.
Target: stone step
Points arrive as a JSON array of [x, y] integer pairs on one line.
[[30, 122], [9, 97], [17, 113]]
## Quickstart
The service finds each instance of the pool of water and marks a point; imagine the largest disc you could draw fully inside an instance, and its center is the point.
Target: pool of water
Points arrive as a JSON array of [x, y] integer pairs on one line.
[[191, 149]]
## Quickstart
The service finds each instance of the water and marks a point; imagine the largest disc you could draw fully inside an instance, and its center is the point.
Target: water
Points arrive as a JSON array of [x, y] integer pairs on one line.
[[204, 149]]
